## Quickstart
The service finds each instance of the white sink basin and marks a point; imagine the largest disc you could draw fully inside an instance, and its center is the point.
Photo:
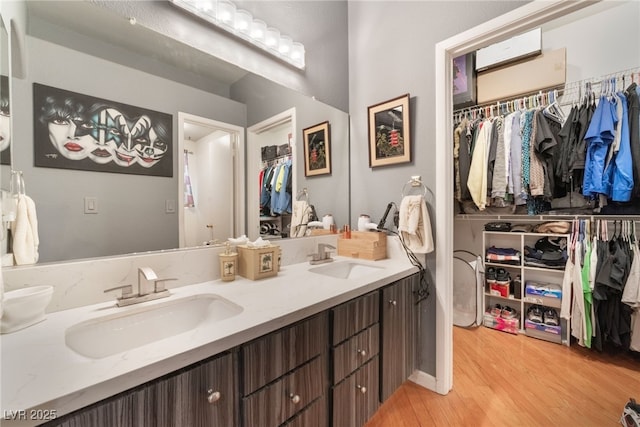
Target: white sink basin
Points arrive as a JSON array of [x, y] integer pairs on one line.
[[346, 270], [137, 326]]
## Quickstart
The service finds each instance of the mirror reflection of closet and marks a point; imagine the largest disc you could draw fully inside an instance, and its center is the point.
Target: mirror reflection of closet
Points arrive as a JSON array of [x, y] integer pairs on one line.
[[271, 147]]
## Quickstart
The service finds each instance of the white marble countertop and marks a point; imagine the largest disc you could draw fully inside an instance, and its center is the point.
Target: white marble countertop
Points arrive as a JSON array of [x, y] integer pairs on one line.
[[39, 372]]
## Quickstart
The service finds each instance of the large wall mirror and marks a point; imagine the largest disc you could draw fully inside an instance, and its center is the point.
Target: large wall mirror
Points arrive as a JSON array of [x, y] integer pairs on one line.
[[87, 51]]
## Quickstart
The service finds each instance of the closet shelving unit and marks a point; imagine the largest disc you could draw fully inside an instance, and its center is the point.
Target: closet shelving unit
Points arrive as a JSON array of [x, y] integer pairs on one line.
[[518, 298]]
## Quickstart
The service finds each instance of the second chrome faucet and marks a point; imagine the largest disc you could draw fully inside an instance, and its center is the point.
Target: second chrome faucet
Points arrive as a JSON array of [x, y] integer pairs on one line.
[[323, 255]]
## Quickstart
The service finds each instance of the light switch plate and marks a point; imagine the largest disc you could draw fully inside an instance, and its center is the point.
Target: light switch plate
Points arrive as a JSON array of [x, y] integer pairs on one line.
[[170, 206], [91, 205]]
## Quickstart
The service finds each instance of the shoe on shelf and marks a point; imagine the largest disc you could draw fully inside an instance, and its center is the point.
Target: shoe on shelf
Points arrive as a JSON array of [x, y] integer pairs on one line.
[[508, 312], [490, 275], [502, 277], [534, 314], [496, 310], [550, 317]]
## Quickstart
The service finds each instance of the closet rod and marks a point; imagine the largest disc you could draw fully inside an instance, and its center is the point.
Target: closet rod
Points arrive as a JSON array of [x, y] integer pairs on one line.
[[563, 89]]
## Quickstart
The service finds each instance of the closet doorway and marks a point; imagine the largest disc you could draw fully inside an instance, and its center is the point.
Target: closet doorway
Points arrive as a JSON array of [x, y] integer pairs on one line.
[[210, 181], [501, 28]]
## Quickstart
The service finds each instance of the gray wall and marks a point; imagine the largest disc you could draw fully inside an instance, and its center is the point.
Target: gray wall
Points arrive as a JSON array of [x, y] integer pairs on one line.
[[131, 214], [391, 46]]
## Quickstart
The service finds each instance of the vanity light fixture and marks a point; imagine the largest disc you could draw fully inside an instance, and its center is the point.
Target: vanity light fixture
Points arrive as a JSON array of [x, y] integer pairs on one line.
[[224, 14]]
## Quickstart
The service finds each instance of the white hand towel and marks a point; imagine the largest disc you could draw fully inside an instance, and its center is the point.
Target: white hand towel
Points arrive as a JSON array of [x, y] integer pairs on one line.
[[25, 232], [299, 218], [414, 225]]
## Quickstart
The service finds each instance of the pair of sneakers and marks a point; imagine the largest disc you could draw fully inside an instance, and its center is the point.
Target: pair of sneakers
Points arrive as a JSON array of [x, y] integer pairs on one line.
[[505, 312], [631, 414], [545, 315], [498, 275]]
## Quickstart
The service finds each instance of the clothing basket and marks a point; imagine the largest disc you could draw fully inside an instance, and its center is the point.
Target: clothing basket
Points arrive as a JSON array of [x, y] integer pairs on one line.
[[468, 285]]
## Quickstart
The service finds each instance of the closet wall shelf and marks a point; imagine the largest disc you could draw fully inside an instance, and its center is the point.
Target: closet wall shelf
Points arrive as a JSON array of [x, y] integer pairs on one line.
[[537, 218]]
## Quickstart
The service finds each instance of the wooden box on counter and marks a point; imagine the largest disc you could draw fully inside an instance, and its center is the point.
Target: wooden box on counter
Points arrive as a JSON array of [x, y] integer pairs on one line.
[[364, 244], [258, 263]]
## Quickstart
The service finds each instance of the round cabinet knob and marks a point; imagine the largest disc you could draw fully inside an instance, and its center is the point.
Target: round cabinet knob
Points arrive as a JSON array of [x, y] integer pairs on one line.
[[362, 389], [362, 352], [393, 302], [294, 398], [213, 396]]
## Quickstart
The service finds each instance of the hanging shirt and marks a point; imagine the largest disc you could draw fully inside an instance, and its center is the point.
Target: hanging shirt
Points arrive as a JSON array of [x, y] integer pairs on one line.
[[515, 178], [477, 181], [633, 112]]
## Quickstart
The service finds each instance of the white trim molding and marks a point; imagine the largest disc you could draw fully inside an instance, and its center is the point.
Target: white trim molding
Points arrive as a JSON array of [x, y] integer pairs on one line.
[[500, 28]]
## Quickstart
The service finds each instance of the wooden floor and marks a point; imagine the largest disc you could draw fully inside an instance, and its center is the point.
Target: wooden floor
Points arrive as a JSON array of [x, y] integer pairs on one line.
[[501, 379]]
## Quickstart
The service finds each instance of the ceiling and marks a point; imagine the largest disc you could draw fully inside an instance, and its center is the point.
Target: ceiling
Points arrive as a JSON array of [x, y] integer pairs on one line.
[[88, 19]]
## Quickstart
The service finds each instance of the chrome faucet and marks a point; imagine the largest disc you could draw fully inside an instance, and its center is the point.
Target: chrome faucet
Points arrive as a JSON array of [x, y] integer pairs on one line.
[[150, 287], [323, 254]]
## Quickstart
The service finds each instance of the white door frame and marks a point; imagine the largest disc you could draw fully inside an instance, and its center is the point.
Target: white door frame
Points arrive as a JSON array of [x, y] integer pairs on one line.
[[524, 18], [254, 164], [237, 142]]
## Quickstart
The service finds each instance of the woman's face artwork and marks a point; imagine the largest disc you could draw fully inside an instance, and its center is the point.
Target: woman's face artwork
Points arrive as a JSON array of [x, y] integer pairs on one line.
[[104, 134]]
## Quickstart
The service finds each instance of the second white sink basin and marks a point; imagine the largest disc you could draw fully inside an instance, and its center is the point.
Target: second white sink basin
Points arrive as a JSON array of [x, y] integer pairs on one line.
[[346, 270], [137, 326]]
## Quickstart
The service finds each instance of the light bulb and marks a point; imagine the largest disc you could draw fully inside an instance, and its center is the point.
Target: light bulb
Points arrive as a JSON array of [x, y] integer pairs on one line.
[[297, 54], [285, 45], [258, 30], [226, 12], [272, 38], [243, 21]]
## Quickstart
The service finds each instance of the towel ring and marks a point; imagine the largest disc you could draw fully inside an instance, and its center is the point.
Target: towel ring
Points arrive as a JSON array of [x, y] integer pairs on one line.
[[303, 195], [414, 182]]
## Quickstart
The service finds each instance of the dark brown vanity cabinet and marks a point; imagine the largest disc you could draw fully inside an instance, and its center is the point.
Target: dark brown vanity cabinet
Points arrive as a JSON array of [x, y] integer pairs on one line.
[[204, 394], [285, 376], [399, 319], [355, 345]]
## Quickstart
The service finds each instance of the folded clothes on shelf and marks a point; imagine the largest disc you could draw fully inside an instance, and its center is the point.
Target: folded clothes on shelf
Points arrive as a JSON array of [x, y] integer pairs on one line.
[[503, 255]]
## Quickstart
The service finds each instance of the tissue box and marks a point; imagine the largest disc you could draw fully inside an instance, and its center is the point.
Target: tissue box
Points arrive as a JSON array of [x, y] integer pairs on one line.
[[258, 263], [364, 244]]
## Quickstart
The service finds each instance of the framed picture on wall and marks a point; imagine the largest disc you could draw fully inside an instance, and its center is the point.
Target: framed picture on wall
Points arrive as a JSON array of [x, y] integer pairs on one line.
[[317, 150], [82, 132], [464, 81], [389, 132]]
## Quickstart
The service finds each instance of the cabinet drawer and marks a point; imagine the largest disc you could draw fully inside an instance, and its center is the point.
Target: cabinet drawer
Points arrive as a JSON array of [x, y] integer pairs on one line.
[[314, 415], [277, 402], [355, 399], [273, 355], [354, 316], [348, 356]]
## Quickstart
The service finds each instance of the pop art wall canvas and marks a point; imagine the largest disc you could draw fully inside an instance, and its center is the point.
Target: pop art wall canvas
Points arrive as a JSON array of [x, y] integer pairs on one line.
[[75, 131]]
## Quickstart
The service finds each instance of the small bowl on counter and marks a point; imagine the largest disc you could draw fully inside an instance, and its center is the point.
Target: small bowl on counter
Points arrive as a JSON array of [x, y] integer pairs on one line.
[[24, 307]]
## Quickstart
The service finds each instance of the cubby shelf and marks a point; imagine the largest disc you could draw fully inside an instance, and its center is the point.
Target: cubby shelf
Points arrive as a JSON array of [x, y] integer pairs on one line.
[[518, 298]]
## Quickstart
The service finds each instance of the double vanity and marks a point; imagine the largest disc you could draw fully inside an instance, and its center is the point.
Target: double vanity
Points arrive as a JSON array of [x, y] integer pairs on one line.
[[293, 349]]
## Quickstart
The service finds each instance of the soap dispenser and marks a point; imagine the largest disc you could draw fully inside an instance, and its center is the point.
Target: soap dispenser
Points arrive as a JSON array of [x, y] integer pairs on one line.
[[228, 264]]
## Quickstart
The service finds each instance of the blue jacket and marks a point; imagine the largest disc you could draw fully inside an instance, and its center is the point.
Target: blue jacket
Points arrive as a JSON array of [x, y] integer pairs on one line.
[[599, 136], [280, 199]]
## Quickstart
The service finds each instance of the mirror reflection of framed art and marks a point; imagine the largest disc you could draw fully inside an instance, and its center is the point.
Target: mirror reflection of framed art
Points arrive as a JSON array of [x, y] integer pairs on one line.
[[317, 150]]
